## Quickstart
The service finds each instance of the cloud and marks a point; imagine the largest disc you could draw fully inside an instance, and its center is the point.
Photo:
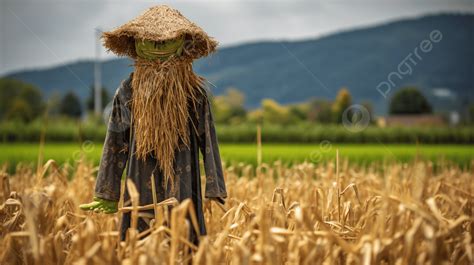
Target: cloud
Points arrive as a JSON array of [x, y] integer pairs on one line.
[[38, 33], [443, 93]]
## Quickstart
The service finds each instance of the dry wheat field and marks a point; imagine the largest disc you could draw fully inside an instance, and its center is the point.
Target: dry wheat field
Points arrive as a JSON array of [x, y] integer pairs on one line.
[[333, 213]]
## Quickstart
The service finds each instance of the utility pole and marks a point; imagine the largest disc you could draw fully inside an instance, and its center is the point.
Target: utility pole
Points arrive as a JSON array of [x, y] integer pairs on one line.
[[97, 75]]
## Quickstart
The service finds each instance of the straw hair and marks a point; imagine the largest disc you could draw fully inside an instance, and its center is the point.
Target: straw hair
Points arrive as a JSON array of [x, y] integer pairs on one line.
[[163, 95], [159, 23]]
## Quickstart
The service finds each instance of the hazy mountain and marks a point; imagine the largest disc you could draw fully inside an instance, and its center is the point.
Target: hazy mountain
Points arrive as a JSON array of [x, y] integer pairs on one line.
[[298, 70]]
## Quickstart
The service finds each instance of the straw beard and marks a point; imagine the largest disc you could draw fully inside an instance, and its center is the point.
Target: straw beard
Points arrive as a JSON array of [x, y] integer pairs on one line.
[[161, 97]]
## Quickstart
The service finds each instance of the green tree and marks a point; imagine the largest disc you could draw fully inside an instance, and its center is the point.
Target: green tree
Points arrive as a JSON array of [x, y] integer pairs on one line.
[[409, 100], [343, 101], [229, 108], [320, 111], [370, 109], [470, 115], [297, 112], [255, 116], [274, 112], [19, 100], [70, 105], [90, 99], [20, 110]]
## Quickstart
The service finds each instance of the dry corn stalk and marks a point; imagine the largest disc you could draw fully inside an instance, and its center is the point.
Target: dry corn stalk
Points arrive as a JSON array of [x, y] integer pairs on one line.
[[305, 214]]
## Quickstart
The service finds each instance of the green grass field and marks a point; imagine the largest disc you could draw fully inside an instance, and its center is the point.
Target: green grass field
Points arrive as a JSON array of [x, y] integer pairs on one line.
[[233, 153]]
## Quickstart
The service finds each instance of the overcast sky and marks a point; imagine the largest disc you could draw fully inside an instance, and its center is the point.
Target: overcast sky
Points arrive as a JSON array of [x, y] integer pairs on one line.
[[42, 33]]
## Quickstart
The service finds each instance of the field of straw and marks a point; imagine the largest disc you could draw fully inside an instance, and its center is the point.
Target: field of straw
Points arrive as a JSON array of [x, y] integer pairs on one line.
[[334, 213]]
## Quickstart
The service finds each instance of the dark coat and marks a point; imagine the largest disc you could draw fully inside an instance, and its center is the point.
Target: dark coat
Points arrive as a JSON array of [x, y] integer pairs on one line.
[[116, 154]]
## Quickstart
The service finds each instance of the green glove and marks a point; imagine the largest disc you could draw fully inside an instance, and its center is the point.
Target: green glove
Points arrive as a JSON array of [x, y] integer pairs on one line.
[[100, 205]]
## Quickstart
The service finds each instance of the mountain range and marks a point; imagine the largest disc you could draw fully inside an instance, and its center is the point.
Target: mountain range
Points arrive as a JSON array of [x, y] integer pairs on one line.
[[433, 52]]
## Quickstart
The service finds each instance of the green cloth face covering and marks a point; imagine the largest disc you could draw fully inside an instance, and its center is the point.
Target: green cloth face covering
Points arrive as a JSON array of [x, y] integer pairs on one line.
[[152, 50]]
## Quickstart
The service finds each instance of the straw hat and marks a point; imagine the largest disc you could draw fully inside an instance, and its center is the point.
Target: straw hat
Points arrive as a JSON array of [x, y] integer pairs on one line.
[[159, 23]]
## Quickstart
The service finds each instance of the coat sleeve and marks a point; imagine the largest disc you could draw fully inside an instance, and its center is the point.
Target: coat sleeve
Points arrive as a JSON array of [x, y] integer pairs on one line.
[[116, 149], [208, 144]]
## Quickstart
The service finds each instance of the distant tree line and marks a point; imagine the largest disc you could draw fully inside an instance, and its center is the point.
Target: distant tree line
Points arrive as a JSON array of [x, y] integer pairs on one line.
[[24, 102], [19, 101], [229, 109]]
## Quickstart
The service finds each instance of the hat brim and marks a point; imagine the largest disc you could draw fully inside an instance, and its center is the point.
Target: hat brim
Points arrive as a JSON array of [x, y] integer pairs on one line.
[[160, 23]]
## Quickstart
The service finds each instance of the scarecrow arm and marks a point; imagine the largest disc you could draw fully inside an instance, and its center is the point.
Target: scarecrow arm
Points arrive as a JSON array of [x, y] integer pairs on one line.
[[215, 184], [115, 151]]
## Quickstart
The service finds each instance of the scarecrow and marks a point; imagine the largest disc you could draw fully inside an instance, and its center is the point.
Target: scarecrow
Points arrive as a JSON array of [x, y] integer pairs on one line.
[[160, 119]]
